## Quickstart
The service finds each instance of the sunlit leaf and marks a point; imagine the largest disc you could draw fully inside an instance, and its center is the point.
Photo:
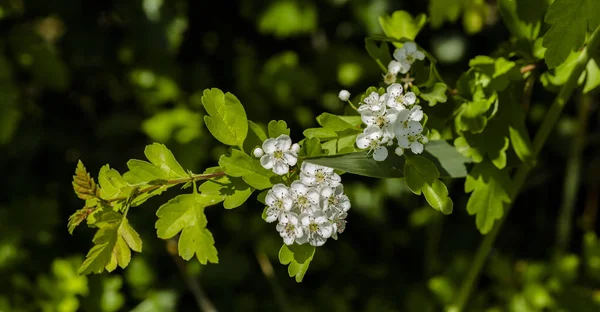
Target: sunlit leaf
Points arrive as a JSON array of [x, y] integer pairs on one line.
[[227, 120], [402, 25], [249, 169]]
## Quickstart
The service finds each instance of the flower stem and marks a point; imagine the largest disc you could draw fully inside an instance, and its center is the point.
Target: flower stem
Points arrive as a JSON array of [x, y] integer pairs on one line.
[[572, 178], [519, 180]]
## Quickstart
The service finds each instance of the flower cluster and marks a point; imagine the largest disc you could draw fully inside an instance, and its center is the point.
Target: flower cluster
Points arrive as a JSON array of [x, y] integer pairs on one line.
[[310, 210], [403, 59], [392, 115]]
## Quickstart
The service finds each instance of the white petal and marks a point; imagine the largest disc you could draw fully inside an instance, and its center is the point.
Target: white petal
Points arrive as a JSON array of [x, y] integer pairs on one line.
[[395, 89], [288, 203], [284, 142], [380, 153], [405, 67], [400, 55], [416, 115], [419, 55], [394, 67], [298, 187], [416, 147], [288, 240], [267, 161], [403, 142], [295, 148], [290, 158], [363, 141], [415, 127], [410, 98], [410, 46], [271, 218], [317, 241], [270, 198], [281, 168], [308, 168], [280, 190], [269, 146]]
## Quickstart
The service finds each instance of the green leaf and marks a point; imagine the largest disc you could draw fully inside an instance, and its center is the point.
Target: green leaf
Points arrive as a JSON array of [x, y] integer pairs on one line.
[[493, 142], [227, 120], [112, 244], [311, 147], [234, 190], [491, 189], [339, 123], [558, 76], [402, 25], [163, 165], [472, 115], [419, 172], [523, 19], [320, 133], [436, 195], [570, 19], [592, 80], [438, 94], [497, 72], [112, 184], [380, 54], [444, 10], [83, 185], [185, 214], [298, 257], [249, 169], [277, 128], [256, 136], [447, 159]]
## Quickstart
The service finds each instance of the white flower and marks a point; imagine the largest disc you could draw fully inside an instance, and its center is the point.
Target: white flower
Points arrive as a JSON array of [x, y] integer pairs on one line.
[[317, 175], [384, 120], [409, 121], [290, 229], [398, 66], [279, 154], [408, 54], [339, 226], [373, 103], [344, 95], [399, 151], [317, 228], [280, 202], [414, 142], [333, 200], [397, 100], [306, 198], [372, 138]]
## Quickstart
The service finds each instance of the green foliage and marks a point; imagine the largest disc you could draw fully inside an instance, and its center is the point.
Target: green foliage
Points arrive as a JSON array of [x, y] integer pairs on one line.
[[185, 214], [288, 18], [241, 165], [570, 20], [298, 258], [524, 20], [277, 128], [234, 190], [113, 243], [491, 191], [444, 10], [422, 176], [402, 25], [227, 118], [436, 95]]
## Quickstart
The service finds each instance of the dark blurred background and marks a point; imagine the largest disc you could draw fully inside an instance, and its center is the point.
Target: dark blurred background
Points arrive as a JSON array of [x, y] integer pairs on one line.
[[99, 80]]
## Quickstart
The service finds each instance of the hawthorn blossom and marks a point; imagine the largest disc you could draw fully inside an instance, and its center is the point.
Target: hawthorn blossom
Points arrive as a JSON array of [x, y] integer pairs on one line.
[[279, 202], [334, 201], [278, 154], [413, 141], [407, 55], [373, 102], [290, 229], [317, 175], [371, 138], [317, 228], [306, 198], [396, 99]]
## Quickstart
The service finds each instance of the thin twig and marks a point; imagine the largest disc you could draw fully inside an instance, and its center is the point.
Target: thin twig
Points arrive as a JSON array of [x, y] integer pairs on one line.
[[572, 178], [204, 304]]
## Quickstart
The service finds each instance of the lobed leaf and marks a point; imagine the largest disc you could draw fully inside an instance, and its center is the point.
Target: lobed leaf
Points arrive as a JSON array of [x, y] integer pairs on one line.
[[491, 189], [185, 214], [402, 25], [438, 94], [112, 184], [570, 19], [298, 257], [277, 128], [234, 190], [227, 120]]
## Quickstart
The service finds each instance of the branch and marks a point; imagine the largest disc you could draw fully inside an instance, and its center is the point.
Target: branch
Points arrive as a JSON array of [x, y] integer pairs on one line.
[[519, 180]]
